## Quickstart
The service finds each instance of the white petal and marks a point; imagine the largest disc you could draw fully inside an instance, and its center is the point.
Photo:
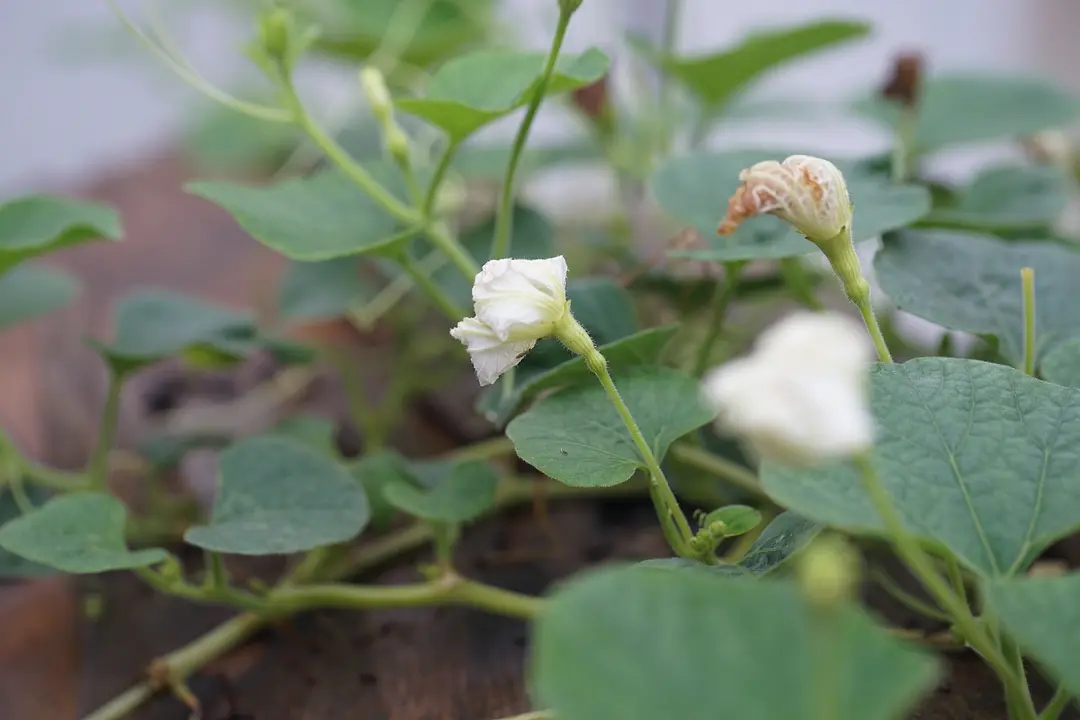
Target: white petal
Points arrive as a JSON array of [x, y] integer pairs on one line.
[[521, 299], [490, 355], [801, 397]]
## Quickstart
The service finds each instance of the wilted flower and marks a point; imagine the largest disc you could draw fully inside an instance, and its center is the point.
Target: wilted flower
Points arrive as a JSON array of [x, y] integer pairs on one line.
[[806, 191], [517, 302], [800, 397]]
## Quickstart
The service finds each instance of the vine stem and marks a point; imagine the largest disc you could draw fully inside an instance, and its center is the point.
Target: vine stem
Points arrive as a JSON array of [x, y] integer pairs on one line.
[[98, 468], [723, 468], [437, 295], [721, 300], [504, 220], [1057, 704], [178, 665], [922, 566], [668, 506], [1027, 281]]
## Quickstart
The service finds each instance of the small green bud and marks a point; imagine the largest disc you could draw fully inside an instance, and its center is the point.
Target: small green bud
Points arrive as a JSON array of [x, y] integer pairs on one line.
[[275, 28], [171, 571], [378, 96], [397, 144], [829, 571]]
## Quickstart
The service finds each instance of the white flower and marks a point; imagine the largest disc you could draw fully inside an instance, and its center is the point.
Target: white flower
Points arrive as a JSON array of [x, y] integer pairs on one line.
[[517, 302], [801, 396], [808, 192]]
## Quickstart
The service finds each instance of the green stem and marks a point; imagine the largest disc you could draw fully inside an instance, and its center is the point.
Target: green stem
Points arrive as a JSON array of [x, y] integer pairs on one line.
[[702, 459], [441, 238], [437, 295], [50, 478], [725, 293], [504, 220], [922, 566], [907, 599], [866, 309], [483, 450], [1027, 281], [827, 662], [1057, 704], [448, 590], [956, 577], [345, 162], [597, 363], [437, 179], [902, 146], [1022, 699], [98, 468]]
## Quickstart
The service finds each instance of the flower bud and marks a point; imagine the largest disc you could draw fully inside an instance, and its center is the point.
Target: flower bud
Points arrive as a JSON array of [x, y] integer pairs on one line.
[[516, 302], [808, 192], [801, 397], [378, 96], [829, 571], [274, 32], [397, 144]]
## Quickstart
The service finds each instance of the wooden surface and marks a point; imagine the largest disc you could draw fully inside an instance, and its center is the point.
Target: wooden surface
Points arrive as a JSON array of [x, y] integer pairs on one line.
[[440, 664]]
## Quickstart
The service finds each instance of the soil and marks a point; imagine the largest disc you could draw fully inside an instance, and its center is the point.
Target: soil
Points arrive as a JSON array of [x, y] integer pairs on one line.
[[418, 664]]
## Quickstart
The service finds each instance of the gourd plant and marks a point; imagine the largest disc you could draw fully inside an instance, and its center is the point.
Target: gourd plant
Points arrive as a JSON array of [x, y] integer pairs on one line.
[[966, 465]]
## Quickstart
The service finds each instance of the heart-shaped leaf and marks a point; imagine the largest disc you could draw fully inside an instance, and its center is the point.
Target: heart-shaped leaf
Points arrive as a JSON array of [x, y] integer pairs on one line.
[[12, 565], [1043, 615], [1007, 199], [643, 348], [38, 224], [959, 109], [977, 457], [1062, 365], [320, 217], [277, 496], [79, 533], [641, 643], [467, 492], [29, 291], [577, 438], [972, 283], [315, 432], [716, 78], [321, 290], [694, 189], [473, 90], [375, 471], [151, 325]]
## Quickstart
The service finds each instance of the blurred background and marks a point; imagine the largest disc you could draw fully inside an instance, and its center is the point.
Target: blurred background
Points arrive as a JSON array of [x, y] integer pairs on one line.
[[81, 95]]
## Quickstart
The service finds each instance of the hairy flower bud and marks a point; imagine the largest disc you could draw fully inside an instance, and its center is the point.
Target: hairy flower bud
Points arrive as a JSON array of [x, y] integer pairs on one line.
[[807, 192], [378, 96]]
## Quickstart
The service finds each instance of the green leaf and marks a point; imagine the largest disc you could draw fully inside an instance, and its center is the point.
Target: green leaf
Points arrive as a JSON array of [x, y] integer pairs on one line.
[[319, 217], [315, 432], [277, 496], [781, 539], [374, 472], [39, 224], [960, 109], [473, 90], [1043, 615], [1007, 199], [694, 189], [321, 290], [643, 348], [156, 324], [737, 519], [1062, 366], [354, 29], [29, 291], [12, 565], [79, 533], [716, 78], [977, 457], [464, 495], [641, 643], [972, 283], [577, 438]]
